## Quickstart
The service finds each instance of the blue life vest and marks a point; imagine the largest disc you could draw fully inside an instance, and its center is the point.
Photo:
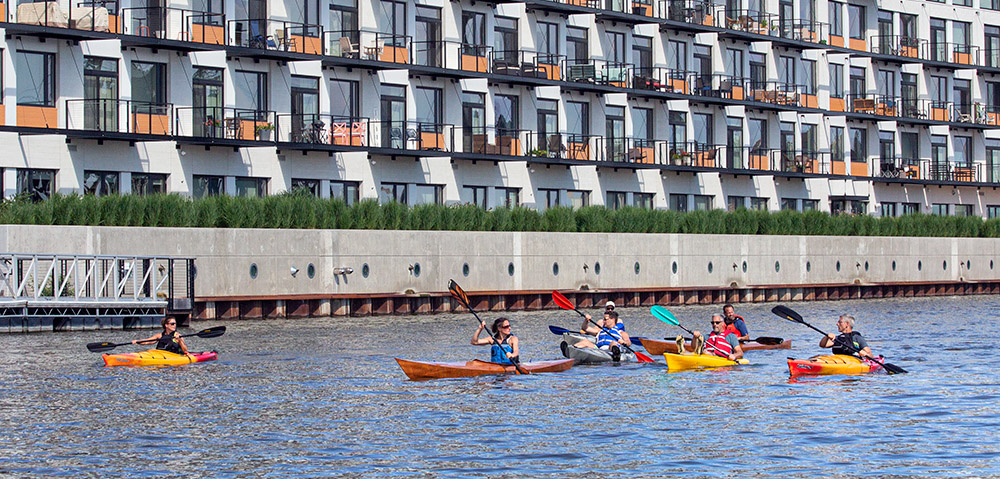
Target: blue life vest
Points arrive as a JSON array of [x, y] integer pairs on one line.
[[498, 353], [604, 339]]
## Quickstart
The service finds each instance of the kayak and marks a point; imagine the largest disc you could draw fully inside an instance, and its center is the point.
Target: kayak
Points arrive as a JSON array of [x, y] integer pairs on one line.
[[417, 370], [156, 357], [655, 346], [680, 362], [594, 355], [831, 364], [573, 338]]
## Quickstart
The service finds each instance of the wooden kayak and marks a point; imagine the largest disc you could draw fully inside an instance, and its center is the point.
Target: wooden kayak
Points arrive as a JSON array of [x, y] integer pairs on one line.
[[156, 357], [655, 346], [680, 362], [831, 364], [417, 370]]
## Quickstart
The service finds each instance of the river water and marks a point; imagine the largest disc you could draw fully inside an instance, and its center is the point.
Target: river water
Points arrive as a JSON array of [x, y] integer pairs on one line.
[[323, 397]]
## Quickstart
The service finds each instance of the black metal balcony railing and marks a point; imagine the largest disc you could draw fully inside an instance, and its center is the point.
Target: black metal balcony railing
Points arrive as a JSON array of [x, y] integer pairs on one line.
[[898, 45], [491, 140], [342, 43], [749, 158], [224, 123], [450, 55], [567, 146], [630, 150], [119, 116], [96, 16], [750, 21], [718, 85], [896, 167], [957, 53], [801, 161], [411, 135], [322, 129], [689, 11], [775, 92], [599, 72], [526, 64], [266, 34], [172, 23], [951, 171]]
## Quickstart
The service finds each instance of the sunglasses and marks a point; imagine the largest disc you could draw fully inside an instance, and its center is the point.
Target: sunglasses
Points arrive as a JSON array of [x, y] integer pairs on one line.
[[506, 326], [171, 324], [716, 322]]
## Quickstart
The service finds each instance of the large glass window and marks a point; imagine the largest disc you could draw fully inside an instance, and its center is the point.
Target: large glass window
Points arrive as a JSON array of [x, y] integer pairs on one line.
[[703, 134], [859, 145], [306, 124], [389, 192], [505, 40], [836, 80], [856, 21], [836, 18], [548, 41], [428, 194], [677, 55], [246, 186], [100, 183], [473, 33], [348, 191], [837, 143], [37, 185], [578, 118], [343, 24], [203, 186], [36, 78], [149, 84], [506, 114], [576, 45], [962, 146], [207, 100], [251, 91], [678, 202], [428, 103], [809, 76], [100, 91], [149, 183], [344, 98]]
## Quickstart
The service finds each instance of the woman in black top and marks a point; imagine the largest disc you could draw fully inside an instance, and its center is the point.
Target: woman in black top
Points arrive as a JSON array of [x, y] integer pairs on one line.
[[168, 339]]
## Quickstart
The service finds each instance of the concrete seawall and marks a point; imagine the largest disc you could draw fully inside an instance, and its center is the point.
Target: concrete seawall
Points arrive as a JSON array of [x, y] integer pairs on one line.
[[249, 272]]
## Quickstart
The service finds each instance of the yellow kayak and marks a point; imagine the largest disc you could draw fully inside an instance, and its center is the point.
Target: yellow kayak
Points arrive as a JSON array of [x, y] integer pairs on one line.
[[679, 362], [156, 357], [830, 364]]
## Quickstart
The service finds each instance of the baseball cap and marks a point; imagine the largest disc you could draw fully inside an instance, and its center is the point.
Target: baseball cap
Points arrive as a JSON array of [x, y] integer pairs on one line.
[[609, 304]]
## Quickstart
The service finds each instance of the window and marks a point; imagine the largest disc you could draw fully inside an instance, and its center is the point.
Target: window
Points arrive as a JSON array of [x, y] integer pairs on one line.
[[505, 44], [506, 115], [939, 209], [36, 85], [577, 119], [810, 205], [939, 92], [789, 204], [251, 91], [837, 143], [100, 183], [428, 102], [808, 137], [149, 184], [963, 96], [703, 202], [643, 200], [887, 210], [203, 186], [859, 89], [548, 42], [859, 145], [428, 194], [473, 33], [758, 204], [677, 57], [305, 186], [476, 195], [848, 205], [511, 197], [678, 132], [962, 151], [734, 64], [344, 99], [993, 211], [960, 35], [551, 197], [642, 54], [910, 208], [836, 19], [343, 23], [616, 200], [207, 100], [678, 202], [616, 51], [149, 87], [350, 191], [809, 76], [734, 203], [100, 93], [577, 198], [963, 210], [642, 126], [37, 185], [758, 71], [856, 21], [576, 46], [246, 186], [703, 136], [390, 192]]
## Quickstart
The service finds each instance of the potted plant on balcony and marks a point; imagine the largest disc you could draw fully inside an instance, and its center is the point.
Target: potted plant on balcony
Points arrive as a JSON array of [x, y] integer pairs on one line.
[[212, 127], [263, 130]]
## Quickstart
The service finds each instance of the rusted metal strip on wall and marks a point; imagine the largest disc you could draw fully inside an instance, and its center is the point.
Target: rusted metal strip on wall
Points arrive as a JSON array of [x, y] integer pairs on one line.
[[301, 306]]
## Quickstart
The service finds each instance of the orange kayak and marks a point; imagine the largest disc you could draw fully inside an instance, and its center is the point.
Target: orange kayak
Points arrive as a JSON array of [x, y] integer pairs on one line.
[[657, 347], [156, 357], [417, 370]]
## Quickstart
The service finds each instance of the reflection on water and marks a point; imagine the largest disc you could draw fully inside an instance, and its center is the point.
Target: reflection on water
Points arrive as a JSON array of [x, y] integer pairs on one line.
[[323, 396]]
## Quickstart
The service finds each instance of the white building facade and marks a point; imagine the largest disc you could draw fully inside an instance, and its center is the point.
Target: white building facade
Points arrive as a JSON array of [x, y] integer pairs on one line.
[[881, 108]]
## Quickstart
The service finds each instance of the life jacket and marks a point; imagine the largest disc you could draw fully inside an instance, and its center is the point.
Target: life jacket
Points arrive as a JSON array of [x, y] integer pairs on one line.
[[168, 342], [844, 339], [732, 326], [722, 347], [498, 352], [604, 339]]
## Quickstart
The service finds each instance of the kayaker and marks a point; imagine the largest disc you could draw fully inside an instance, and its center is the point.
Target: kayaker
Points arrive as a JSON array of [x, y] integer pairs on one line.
[[609, 338], [168, 339], [736, 321], [722, 341], [505, 345], [848, 337]]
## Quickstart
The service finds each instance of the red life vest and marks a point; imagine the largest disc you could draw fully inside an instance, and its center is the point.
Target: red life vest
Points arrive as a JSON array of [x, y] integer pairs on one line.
[[722, 347]]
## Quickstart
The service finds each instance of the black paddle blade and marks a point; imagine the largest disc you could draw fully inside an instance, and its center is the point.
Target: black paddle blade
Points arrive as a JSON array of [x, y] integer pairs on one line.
[[893, 369], [787, 313], [211, 332], [101, 347], [769, 341]]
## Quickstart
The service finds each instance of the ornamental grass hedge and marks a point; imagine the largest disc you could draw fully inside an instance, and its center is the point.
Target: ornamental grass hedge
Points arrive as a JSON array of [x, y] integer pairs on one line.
[[302, 211]]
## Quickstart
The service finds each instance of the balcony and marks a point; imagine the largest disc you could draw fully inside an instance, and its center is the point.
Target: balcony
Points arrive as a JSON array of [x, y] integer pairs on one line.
[[321, 129], [491, 140], [278, 35], [956, 53], [952, 172], [775, 93], [895, 167], [718, 86], [882, 105], [411, 136], [169, 23], [898, 45], [807, 161], [564, 146], [224, 123], [119, 116], [750, 21], [342, 43], [690, 11], [451, 55], [598, 72], [95, 16], [526, 64]]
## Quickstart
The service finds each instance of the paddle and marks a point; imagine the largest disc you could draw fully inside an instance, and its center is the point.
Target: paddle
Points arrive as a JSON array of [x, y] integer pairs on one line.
[[459, 294], [663, 314], [205, 333], [565, 303], [561, 331], [791, 315], [765, 340]]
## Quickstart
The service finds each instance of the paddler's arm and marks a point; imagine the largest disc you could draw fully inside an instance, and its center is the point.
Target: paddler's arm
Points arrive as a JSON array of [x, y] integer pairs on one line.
[[828, 341], [625, 339], [737, 352], [475, 337], [514, 343], [184, 348], [148, 340], [586, 328]]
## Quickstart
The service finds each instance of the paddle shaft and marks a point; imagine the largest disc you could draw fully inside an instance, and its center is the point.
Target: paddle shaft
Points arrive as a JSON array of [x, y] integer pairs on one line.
[[664, 317], [637, 355], [205, 333], [458, 293]]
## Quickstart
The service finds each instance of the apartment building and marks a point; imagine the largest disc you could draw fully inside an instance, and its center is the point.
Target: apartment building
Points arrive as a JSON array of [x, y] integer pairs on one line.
[[881, 108]]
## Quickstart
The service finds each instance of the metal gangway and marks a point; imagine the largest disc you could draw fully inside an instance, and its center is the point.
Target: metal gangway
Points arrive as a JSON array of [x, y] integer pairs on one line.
[[57, 292]]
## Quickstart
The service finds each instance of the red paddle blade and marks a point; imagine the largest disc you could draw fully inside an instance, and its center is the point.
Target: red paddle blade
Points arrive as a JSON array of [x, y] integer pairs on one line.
[[562, 301], [642, 358]]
